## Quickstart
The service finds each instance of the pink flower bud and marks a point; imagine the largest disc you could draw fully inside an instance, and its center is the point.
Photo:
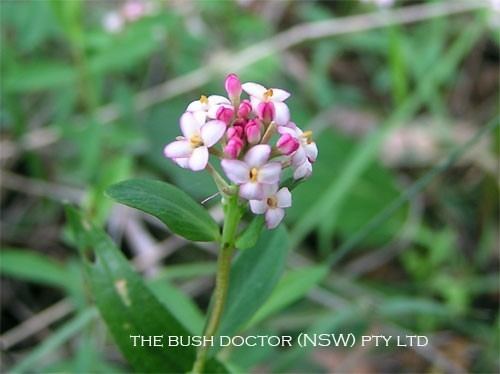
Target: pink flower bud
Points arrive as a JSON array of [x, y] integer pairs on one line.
[[233, 147], [234, 131], [233, 87], [252, 131], [287, 144], [245, 109], [266, 112], [225, 114]]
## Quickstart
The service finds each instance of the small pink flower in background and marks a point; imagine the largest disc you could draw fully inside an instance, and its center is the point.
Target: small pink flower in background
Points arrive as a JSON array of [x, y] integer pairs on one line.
[[272, 205], [259, 94], [208, 105], [253, 172], [113, 22], [198, 137]]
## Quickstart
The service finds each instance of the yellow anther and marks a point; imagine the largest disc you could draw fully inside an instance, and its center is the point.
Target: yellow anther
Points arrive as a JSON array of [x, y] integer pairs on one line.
[[268, 94], [203, 99], [308, 136], [272, 202], [195, 140], [253, 174]]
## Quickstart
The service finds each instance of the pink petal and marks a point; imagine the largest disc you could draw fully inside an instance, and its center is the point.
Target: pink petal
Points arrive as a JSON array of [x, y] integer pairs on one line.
[[284, 198], [311, 151], [257, 155], [199, 159], [274, 217], [282, 113], [237, 171], [269, 189], [269, 173], [178, 149], [303, 171], [254, 89], [189, 124], [258, 206], [279, 95], [212, 131], [283, 129], [251, 191]]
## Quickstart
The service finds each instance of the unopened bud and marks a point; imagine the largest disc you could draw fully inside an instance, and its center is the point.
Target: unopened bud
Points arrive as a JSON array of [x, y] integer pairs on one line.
[[253, 131], [225, 114], [233, 87], [287, 144], [245, 109], [233, 147], [265, 111]]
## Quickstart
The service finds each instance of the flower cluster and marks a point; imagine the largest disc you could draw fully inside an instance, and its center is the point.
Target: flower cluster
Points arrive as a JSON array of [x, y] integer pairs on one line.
[[255, 139]]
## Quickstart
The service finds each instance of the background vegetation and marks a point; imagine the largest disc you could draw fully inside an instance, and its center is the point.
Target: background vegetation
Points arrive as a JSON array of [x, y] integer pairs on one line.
[[395, 233]]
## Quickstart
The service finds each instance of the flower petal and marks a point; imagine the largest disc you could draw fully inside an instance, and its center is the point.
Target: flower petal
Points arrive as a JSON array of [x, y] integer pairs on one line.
[[255, 103], [303, 171], [269, 173], [189, 124], [311, 151], [212, 131], [218, 99], [287, 130], [254, 89], [237, 171], [284, 198], [200, 117], [199, 159], [269, 189], [178, 149], [258, 206], [251, 191], [274, 217], [299, 157], [279, 95], [182, 162], [282, 113], [196, 106], [257, 155]]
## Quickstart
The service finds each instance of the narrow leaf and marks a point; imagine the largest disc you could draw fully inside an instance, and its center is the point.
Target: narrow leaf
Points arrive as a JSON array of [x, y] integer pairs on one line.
[[172, 206], [127, 305]]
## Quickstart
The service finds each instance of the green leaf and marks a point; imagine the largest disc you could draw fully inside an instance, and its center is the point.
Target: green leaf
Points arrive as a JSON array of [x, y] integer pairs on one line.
[[292, 287], [128, 306], [253, 277], [248, 238], [32, 266], [172, 206]]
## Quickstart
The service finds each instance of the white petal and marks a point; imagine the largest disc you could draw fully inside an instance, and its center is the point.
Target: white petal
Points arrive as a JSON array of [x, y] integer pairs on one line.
[[279, 95], [251, 191], [255, 103], [178, 149], [199, 159], [303, 171], [287, 130], [274, 217], [237, 171], [254, 89], [299, 157], [282, 113], [182, 162], [311, 151], [189, 124], [258, 206], [217, 99], [269, 173], [195, 106], [284, 198], [258, 155], [212, 111], [212, 131], [200, 117]]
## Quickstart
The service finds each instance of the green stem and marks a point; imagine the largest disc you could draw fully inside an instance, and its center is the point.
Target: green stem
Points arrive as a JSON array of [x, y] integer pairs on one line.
[[231, 220]]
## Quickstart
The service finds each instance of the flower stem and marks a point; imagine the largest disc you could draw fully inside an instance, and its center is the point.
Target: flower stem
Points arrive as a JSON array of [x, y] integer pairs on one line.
[[231, 220]]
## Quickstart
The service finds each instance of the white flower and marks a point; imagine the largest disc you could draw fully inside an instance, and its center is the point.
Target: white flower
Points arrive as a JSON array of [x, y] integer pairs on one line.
[[208, 106], [191, 150], [306, 153], [254, 172], [272, 205], [113, 22], [260, 94]]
